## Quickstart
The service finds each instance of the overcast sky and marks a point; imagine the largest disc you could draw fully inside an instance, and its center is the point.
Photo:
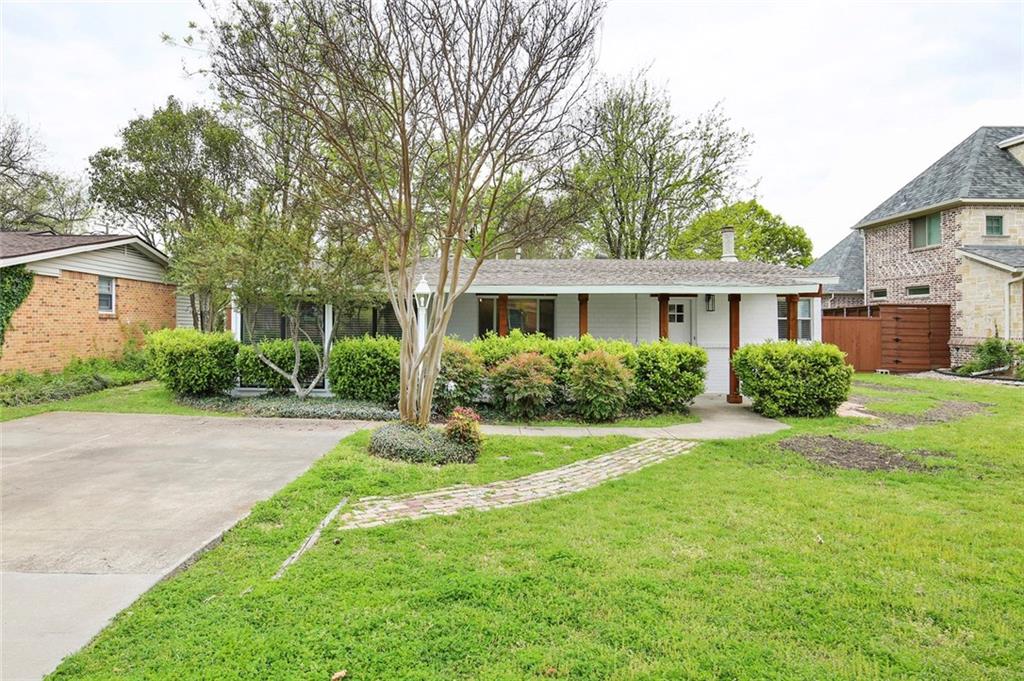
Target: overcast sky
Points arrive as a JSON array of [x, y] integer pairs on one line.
[[846, 102]]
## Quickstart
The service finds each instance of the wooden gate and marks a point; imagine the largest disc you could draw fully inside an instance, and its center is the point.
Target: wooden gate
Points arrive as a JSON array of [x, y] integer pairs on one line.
[[895, 337], [915, 337], [859, 337]]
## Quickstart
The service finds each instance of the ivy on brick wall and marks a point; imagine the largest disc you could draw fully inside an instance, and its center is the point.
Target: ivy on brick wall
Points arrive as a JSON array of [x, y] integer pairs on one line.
[[15, 285]]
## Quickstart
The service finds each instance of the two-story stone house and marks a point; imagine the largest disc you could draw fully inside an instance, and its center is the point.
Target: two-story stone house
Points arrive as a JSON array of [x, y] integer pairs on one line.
[[955, 235]]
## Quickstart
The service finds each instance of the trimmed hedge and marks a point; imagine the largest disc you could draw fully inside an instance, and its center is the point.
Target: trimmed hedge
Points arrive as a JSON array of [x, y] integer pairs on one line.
[[366, 368], [404, 442], [253, 372], [190, 362], [599, 386], [668, 376], [785, 378]]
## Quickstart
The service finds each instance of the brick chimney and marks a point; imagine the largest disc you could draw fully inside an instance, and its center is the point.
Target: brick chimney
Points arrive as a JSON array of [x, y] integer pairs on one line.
[[728, 244]]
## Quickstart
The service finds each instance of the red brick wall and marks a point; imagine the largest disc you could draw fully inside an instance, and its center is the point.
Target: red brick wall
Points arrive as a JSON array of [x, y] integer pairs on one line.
[[60, 320]]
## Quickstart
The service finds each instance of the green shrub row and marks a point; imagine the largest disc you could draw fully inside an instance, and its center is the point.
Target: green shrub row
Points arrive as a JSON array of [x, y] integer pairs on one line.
[[77, 378], [785, 378], [993, 353], [526, 376]]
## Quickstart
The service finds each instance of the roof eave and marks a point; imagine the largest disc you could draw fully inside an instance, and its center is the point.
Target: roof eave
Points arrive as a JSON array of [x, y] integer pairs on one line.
[[154, 253], [645, 289], [1011, 142], [989, 261], [918, 212]]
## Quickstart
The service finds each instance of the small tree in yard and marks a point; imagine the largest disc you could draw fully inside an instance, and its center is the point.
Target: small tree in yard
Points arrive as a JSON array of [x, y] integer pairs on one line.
[[424, 111], [293, 264]]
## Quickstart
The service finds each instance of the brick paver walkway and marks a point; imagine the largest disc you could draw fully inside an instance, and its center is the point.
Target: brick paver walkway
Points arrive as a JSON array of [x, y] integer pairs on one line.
[[575, 477]]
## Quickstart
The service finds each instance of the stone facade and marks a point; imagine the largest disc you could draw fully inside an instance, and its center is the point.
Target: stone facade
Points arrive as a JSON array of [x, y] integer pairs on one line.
[[974, 291], [60, 320]]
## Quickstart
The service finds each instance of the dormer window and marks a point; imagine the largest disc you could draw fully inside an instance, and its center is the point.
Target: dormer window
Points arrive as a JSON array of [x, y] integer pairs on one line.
[[926, 231]]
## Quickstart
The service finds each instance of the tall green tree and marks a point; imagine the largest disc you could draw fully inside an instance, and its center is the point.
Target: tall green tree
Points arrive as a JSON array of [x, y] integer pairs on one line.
[[178, 168], [644, 174], [760, 235], [32, 197]]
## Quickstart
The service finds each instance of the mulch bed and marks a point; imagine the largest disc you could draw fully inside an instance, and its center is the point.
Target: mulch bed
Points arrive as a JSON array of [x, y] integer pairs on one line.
[[853, 454]]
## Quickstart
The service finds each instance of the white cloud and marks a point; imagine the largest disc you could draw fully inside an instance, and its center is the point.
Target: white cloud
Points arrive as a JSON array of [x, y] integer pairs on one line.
[[847, 102]]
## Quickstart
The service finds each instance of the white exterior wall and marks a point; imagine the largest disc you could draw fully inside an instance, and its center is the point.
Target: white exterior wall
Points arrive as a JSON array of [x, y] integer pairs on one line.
[[124, 262], [635, 318], [183, 312]]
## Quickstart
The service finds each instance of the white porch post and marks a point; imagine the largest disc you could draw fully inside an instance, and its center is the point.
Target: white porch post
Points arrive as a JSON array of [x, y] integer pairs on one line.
[[236, 320], [328, 335]]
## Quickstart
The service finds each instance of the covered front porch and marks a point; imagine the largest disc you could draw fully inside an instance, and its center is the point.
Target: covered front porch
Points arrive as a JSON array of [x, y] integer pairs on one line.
[[718, 320]]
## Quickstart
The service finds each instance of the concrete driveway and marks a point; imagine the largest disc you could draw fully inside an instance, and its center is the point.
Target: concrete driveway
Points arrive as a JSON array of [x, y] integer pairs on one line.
[[96, 508]]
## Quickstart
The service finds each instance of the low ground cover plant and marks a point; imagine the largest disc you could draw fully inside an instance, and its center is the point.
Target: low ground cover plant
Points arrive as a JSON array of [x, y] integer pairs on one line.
[[785, 378], [190, 362], [995, 353], [289, 406], [406, 442], [79, 377]]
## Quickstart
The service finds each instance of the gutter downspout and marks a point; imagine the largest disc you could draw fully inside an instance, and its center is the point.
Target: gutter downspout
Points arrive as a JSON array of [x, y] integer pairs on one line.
[[864, 283], [1006, 306]]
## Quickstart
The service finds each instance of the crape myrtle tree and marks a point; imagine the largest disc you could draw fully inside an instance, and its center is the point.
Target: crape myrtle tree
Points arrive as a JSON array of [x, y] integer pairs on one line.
[[644, 174], [424, 111], [173, 171]]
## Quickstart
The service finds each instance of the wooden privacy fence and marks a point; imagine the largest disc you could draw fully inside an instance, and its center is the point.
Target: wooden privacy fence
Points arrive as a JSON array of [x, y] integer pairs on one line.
[[899, 338], [859, 337]]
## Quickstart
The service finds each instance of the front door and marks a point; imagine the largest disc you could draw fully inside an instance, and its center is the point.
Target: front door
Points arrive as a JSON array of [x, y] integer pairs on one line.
[[680, 320]]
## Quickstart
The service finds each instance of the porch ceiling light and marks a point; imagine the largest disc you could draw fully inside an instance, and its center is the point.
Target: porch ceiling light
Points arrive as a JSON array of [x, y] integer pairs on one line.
[[709, 302]]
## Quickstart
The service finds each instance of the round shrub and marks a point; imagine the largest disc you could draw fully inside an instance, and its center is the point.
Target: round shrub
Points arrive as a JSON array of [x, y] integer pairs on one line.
[[252, 372], [190, 362], [365, 368], [784, 378], [460, 378], [404, 442], [463, 427], [523, 384], [668, 376], [598, 385]]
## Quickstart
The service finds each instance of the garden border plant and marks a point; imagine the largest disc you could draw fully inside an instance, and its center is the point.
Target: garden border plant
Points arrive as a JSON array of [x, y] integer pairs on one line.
[[787, 378]]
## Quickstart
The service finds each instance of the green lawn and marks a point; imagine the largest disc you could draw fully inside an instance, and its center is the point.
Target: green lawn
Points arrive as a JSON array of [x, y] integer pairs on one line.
[[139, 398], [737, 560]]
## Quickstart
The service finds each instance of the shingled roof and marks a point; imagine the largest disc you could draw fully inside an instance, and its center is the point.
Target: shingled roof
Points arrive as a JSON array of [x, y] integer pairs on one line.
[[974, 169], [845, 260], [1010, 257], [18, 247], [598, 275]]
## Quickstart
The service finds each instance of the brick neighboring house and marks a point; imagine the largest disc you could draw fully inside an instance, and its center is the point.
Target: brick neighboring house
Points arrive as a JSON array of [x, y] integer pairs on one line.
[[955, 235], [846, 261], [90, 295]]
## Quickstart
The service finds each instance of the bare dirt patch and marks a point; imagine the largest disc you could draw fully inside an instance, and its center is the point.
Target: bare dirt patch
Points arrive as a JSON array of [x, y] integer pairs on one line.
[[944, 412], [853, 454]]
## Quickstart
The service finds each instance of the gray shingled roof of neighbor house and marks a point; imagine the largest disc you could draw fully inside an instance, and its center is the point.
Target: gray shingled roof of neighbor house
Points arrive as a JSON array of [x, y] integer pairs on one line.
[[14, 244], [603, 273], [974, 169], [845, 260], [1011, 256]]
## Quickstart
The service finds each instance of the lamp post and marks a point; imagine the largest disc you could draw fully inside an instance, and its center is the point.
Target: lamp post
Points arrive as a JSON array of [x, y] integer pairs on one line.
[[422, 294]]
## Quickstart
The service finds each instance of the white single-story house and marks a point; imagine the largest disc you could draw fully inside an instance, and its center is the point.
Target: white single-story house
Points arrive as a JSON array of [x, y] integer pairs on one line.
[[715, 304]]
